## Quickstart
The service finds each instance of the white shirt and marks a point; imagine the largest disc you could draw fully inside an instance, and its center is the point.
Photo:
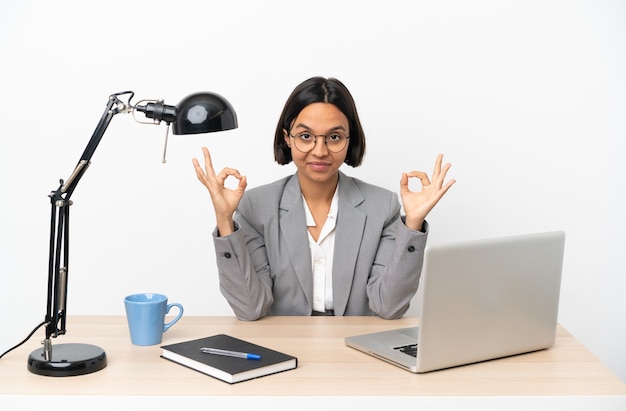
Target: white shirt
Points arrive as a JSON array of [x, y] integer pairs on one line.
[[322, 252]]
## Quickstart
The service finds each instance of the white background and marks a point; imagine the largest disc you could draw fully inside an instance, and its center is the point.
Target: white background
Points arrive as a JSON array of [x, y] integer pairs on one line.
[[526, 99]]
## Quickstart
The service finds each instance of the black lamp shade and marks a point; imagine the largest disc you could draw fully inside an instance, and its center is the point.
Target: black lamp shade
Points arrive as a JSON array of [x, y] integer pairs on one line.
[[204, 113]]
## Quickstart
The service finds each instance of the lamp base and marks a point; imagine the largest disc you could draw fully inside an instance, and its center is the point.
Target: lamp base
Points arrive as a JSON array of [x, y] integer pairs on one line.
[[68, 360]]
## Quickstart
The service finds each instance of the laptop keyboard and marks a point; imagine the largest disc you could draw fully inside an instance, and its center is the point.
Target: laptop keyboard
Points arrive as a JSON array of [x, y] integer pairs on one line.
[[410, 349]]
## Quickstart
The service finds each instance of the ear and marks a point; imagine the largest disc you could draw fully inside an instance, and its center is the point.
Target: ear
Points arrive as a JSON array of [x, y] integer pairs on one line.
[[286, 136]]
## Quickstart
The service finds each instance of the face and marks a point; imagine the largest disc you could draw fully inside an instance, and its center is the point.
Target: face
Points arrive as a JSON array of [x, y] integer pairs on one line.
[[319, 165]]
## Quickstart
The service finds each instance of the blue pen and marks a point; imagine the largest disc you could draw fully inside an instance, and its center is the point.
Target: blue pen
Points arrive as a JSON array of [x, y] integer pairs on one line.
[[227, 353]]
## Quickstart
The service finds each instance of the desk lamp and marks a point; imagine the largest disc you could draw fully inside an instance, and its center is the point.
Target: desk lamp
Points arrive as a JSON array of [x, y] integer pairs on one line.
[[196, 113]]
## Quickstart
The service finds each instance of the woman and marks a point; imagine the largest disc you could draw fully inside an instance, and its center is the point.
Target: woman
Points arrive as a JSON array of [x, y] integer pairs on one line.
[[319, 242]]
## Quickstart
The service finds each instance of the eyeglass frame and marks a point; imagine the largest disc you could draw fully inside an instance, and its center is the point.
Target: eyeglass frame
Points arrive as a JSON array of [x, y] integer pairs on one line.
[[315, 136]]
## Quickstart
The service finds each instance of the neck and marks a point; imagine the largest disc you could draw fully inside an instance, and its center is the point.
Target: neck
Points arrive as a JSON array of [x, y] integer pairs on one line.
[[315, 191]]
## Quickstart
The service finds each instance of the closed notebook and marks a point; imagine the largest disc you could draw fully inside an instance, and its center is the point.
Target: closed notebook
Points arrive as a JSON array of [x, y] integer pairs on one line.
[[225, 368]]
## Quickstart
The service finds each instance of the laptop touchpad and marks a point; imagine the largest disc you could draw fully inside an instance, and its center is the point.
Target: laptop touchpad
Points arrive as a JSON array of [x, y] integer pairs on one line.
[[410, 332]]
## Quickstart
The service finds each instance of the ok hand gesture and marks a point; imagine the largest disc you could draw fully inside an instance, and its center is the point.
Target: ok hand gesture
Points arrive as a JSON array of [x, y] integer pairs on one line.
[[417, 204], [225, 200]]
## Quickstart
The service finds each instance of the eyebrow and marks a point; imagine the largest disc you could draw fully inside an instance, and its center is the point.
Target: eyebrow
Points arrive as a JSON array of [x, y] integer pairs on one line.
[[336, 128]]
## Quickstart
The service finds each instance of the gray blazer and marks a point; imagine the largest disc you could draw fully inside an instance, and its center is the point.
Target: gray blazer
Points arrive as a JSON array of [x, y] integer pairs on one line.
[[265, 266]]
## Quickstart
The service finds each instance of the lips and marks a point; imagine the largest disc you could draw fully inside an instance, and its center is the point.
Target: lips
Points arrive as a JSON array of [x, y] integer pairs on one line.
[[317, 166]]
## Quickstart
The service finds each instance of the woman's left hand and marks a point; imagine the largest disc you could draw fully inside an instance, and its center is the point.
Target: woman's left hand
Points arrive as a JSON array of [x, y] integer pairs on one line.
[[417, 204]]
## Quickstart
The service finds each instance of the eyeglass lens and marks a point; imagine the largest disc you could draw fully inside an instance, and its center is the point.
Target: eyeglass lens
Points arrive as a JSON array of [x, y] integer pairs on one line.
[[305, 142]]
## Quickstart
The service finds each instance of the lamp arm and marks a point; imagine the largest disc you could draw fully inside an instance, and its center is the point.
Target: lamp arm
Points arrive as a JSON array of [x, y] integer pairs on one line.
[[114, 106], [55, 319]]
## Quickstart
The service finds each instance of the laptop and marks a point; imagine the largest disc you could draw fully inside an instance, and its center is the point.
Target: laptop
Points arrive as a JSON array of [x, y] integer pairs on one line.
[[481, 300]]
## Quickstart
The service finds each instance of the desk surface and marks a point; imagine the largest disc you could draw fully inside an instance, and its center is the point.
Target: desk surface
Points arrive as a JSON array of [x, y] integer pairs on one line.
[[326, 366]]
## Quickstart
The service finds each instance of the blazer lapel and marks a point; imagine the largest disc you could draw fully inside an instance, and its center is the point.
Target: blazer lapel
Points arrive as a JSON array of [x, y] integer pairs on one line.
[[294, 231], [348, 235]]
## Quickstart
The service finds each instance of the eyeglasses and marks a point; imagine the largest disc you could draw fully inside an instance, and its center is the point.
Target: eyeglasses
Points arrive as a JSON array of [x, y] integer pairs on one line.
[[305, 141]]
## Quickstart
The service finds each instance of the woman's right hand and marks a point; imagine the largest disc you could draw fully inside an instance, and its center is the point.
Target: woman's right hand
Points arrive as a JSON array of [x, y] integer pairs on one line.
[[225, 200]]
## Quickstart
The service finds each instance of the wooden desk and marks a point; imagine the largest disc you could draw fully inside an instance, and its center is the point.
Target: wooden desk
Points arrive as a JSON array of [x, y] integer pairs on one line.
[[327, 368]]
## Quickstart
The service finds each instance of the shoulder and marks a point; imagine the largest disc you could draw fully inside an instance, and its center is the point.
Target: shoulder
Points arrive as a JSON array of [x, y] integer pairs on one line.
[[268, 191], [265, 198], [375, 201], [370, 192]]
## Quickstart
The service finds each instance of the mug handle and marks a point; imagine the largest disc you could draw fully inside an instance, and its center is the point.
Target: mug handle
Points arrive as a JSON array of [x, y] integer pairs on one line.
[[167, 326]]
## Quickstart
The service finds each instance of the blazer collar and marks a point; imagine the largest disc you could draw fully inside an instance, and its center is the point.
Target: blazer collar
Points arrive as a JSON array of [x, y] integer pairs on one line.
[[348, 192], [348, 235], [294, 231]]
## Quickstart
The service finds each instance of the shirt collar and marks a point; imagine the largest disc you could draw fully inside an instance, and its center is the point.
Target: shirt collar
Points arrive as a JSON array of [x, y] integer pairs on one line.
[[332, 213]]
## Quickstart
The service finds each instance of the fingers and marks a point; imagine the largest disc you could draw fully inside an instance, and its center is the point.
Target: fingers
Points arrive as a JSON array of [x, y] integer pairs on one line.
[[207, 175], [438, 162], [421, 175], [439, 174], [440, 171], [199, 171], [208, 166], [228, 172], [243, 183]]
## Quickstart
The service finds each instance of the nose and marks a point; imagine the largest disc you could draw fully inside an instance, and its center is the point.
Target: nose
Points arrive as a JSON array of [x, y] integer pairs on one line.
[[320, 149]]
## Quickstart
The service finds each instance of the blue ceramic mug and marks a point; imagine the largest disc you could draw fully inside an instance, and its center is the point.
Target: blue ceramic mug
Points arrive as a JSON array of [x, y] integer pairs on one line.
[[146, 317]]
